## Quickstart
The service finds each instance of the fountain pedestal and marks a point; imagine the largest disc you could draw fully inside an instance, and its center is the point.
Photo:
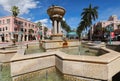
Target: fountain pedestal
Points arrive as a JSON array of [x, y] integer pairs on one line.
[[57, 37]]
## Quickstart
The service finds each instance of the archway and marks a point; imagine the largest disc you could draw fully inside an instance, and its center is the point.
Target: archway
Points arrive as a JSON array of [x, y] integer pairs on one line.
[[2, 37]]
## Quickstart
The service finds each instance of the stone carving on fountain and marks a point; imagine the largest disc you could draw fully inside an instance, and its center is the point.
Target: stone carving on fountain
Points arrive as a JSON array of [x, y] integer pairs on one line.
[[56, 14]]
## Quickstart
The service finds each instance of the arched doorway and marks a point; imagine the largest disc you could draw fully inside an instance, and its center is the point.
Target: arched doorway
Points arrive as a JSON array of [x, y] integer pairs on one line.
[[25, 37], [2, 37], [16, 37]]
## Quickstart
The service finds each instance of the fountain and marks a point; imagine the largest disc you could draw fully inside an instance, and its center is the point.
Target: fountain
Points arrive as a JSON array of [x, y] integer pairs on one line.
[[56, 14]]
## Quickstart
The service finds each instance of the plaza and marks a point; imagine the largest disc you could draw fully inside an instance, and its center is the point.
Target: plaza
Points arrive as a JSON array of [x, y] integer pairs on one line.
[[57, 58]]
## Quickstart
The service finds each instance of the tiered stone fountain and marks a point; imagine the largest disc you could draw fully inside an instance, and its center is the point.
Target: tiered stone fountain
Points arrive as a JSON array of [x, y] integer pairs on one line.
[[56, 14]]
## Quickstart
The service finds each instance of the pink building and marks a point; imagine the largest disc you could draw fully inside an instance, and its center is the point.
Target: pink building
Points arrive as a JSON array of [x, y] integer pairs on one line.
[[17, 28], [113, 20]]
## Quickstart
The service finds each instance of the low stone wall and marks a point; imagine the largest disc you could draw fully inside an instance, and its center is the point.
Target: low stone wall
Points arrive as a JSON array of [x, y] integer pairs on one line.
[[88, 70], [25, 65], [102, 67], [30, 75]]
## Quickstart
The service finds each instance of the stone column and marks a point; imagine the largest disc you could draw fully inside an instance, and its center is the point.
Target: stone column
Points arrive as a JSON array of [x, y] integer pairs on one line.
[[4, 37], [12, 36], [36, 38], [27, 38], [19, 37], [0, 39], [23, 38], [52, 27], [55, 27], [59, 27]]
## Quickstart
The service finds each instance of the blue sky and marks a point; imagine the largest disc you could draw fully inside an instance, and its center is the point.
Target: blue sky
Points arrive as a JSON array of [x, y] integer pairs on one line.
[[35, 10]]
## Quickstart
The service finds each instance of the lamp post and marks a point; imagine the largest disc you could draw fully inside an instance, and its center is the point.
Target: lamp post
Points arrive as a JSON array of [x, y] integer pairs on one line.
[[110, 29]]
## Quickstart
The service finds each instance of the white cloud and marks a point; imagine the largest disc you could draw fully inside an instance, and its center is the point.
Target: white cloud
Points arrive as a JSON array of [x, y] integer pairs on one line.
[[29, 19], [45, 22], [24, 5]]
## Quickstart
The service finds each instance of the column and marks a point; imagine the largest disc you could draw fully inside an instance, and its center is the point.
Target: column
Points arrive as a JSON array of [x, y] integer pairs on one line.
[[36, 37], [55, 27], [4, 37], [12, 36], [0, 39], [91, 33], [52, 27], [19, 37], [59, 27], [23, 38], [27, 38]]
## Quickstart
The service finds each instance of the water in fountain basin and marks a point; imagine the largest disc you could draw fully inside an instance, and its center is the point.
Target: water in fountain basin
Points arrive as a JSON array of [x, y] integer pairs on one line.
[[32, 49], [83, 50], [5, 72]]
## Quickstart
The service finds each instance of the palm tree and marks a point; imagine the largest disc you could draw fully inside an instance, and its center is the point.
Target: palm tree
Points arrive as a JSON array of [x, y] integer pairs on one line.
[[81, 27], [39, 25], [65, 26], [89, 14], [45, 30], [15, 11]]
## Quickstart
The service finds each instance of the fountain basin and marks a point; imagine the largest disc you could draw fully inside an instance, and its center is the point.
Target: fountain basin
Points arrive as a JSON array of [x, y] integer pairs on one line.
[[56, 11], [90, 67]]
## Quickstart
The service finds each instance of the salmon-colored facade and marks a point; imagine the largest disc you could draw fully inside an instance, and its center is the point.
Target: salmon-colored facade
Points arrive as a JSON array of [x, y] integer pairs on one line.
[[17, 28], [112, 24], [113, 21]]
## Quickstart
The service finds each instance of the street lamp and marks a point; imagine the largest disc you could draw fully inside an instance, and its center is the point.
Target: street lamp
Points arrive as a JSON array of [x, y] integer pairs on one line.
[[110, 29]]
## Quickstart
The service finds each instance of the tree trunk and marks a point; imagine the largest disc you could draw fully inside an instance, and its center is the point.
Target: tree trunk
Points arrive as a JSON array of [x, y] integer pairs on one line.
[[90, 33]]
